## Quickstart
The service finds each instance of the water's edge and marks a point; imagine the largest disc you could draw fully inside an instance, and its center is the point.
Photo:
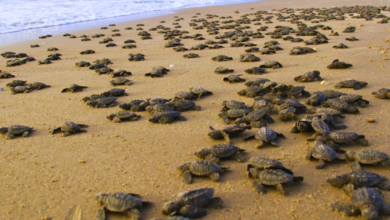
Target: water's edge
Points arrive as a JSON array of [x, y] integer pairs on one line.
[[34, 33]]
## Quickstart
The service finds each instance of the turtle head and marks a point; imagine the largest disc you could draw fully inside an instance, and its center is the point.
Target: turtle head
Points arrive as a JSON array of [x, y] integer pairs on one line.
[[350, 155], [154, 119], [362, 83], [100, 197], [242, 92], [92, 103], [111, 116], [183, 167], [170, 208], [3, 130], [202, 153], [338, 181], [303, 126], [216, 134]]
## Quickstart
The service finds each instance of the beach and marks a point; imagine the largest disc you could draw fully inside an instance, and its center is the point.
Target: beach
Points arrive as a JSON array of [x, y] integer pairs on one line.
[[47, 176]]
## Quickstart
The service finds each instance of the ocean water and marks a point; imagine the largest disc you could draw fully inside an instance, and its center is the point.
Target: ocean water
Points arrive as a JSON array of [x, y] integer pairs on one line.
[[19, 15]]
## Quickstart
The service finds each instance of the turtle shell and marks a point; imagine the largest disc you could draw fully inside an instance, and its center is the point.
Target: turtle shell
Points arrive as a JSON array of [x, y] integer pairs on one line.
[[350, 98], [70, 126], [364, 178], [125, 114], [266, 134], [367, 156], [320, 126], [197, 197], [234, 104], [224, 150], [323, 152], [18, 129], [274, 177], [184, 95], [343, 136], [256, 115], [119, 202], [264, 162], [203, 168]]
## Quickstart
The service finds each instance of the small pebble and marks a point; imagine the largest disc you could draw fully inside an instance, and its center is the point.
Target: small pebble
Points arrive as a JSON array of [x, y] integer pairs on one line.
[[171, 65], [370, 60], [325, 83], [371, 120]]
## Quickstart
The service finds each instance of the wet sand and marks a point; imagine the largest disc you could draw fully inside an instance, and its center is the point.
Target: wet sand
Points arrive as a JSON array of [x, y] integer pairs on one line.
[[46, 176]]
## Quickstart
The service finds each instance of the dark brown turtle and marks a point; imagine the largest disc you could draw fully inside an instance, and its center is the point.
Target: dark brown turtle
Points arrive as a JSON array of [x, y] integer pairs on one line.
[[136, 57], [87, 51], [342, 137], [336, 64], [74, 88], [52, 49], [265, 136], [221, 151], [105, 61], [69, 128], [330, 93], [121, 81], [119, 202], [351, 39], [367, 156], [331, 111], [271, 177], [120, 72], [182, 105], [349, 29], [92, 97], [309, 77], [256, 119], [341, 106], [129, 46], [273, 98], [271, 64], [367, 202], [257, 82], [234, 78], [115, 92], [123, 116], [15, 130], [199, 91], [152, 109], [191, 55], [37, 85], [248, 57], [316, 99], [14, 83], [180, 49], [192, 204], [103, 102], [82, 64], [340, 46], [184, 95], [223, 70], [302, 50], [201, 168], [252, 91], [166, 117], [46, 61], [233, 104], [220, 58], [351, 84], [228, 132], [322, 153], [134, 105], [20, 89], [199, 47], [6, 75], [256, 71], [382, 93], [104, 70], [354, 99]]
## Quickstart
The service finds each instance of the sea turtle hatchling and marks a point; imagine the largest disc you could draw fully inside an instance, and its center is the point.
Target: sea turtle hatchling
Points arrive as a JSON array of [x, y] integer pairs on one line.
[[199, 91], [16, 82], [234, 78], [121, 81], [20, 89], [351, 39], [192, 203], [123, 116], [336, 64], [119, 202], [271, 64], [382, 93], [191, 55], [256, 119], [252, 91], [309, 77], [134, 105], [228, 132], [120, 72], [322, 153], [222, 70], [354, 99], [367, 202], [46, 61], [69, 128], [37, 85], [248, 57], [340, 46], [221, 151], [136, 57], [82, 64], [115, 92], [265, 136], [104, 70], [256, 71], [351, 84], [166, 117], [74, 88], [233, 114], [233, 104], [88, 51], [257, 82], [271, 177], [221, 58], [15, 130], [357, 179], [152, 109], [367, 156], [103, 60], [342, 137], [103, 102], [200, 168], [330, 93], [182, 105]]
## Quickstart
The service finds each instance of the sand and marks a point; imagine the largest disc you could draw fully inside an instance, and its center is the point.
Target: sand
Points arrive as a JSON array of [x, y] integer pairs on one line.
[[54, 177]]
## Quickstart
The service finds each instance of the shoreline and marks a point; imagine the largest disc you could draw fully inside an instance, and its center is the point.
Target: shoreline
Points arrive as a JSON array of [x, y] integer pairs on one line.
[[47, 176]]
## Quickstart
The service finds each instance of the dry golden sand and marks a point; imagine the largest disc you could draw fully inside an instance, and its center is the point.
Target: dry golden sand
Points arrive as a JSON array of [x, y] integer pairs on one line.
[[50, 176]]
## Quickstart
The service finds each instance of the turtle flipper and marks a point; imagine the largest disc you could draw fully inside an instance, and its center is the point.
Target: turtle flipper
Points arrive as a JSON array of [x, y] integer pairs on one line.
[[116, 119], [187, 177], [259, 187], [279, 188], [308, 155], [134, 214], [9, 136], [346, 209], [226, 137], [225, 120], [356, 166], [349, 189], [240, 158], [320, 164], [260, 144], [212, 159], [214, 177], [100, 213], [25, 134]]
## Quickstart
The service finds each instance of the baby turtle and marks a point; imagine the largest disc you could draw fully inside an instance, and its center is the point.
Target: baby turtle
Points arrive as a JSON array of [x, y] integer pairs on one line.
[[134, 105], [52, 49], [199, 91], [233, 114], [46, 61], [129, 46], [351, 39], [115, 92], [322, 153], [104, 70], [354, 99], [69, 128], [184, 95], [20, 89], [309, 77], [336, 64], [191, 55], [228, 132], [340, 46], [302, 50], [103, 102], [166, 117], [16, 83], [341, 106], [180, 49], [37, 85], [367, 202], [74, 88], [223, 70], [265, 136], [256, 119], [105, 61], [233, 104], [123, 116], [221, 151], [382, 93], [82, 64], [357, 179], [15, 130], [120, 72], [367, 156], [271, 64], [271, 177], [6, 75], [201, 168], [234, 78], [111, 45], [192, 203], [87, 51], [316, 99], [266, 163], [152, 109], [136, 57], [249, 58], [257, 82], [256, 71], [34, 45], [342, 137], [119, 202], [121, 81], [182, 105], [252, 91], [349, 29], [351, 84], [221, 58]]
